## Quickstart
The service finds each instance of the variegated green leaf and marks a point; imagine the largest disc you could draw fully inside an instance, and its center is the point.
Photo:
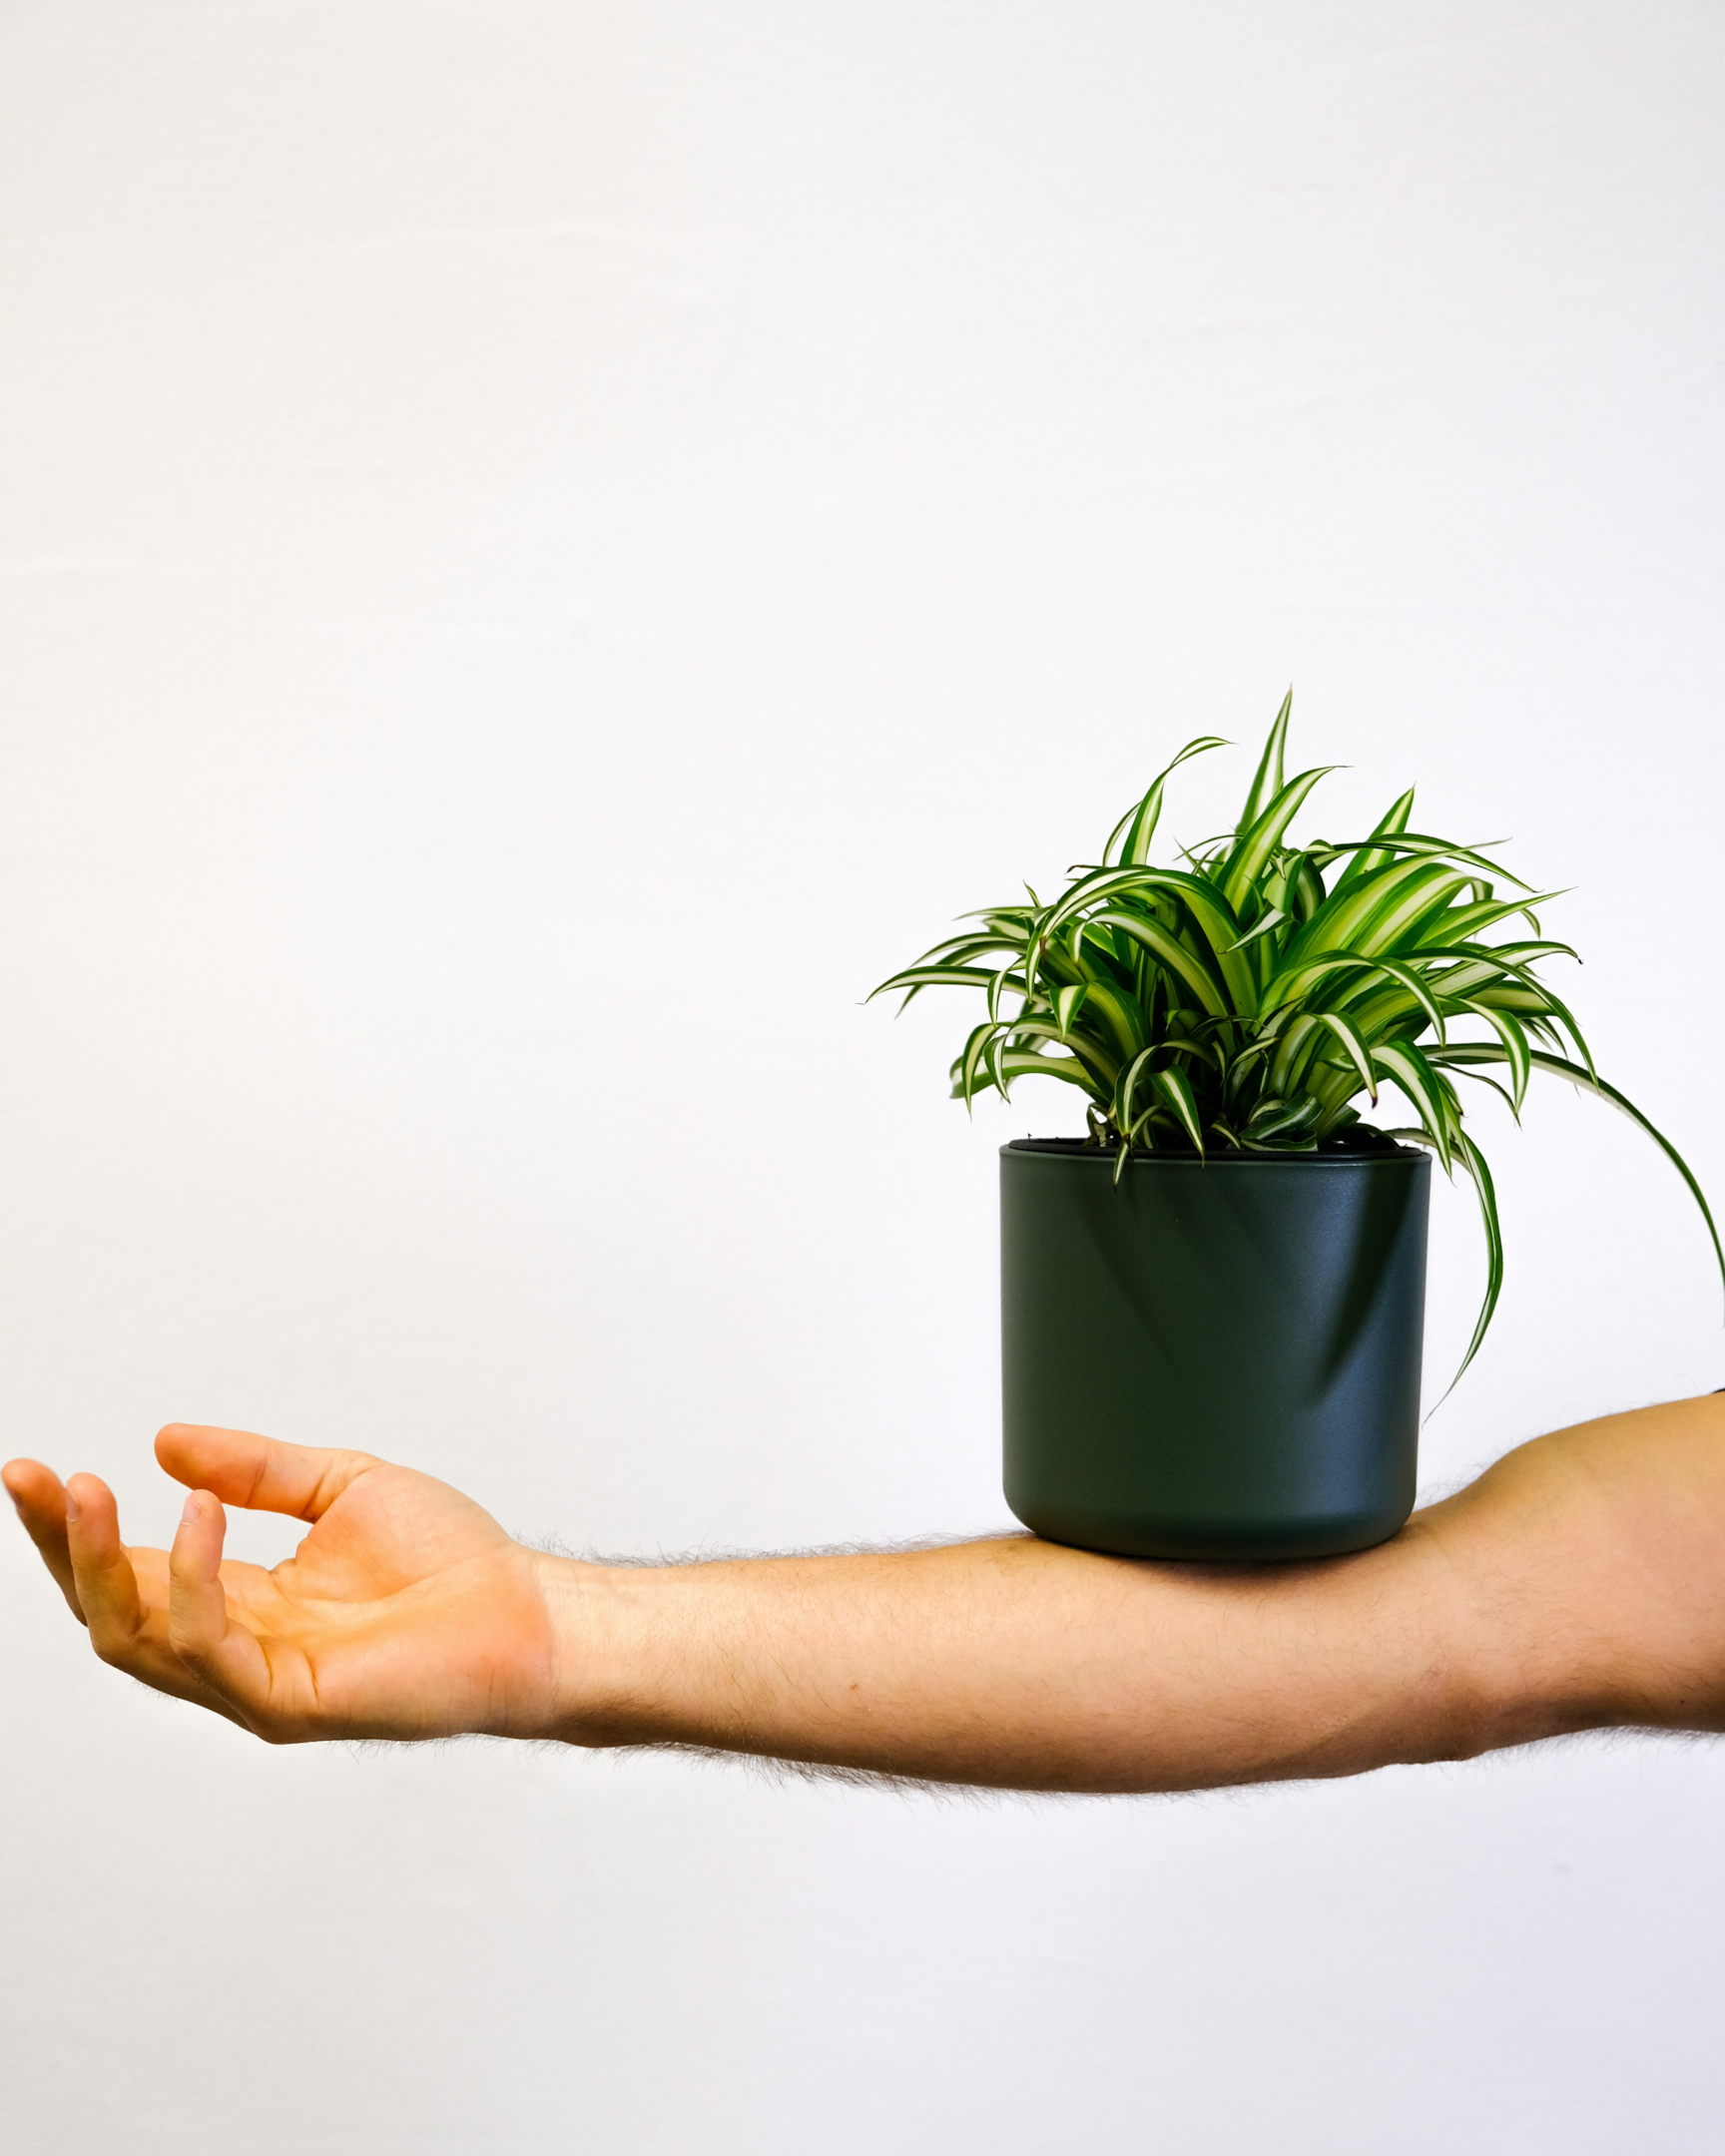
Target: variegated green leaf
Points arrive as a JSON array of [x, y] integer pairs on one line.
[[1211, 916], [1068, 1003], [1519, 1051], [1023, 1063], [1282, 1126], [971, 1061], [1268, 781], [935, 977], [1460, 1056], [1368, 859], [1257, 844], [1169, 951], [1402, 1062], [1138, 826], [1175, 1090], [1357, 1051], [1410, 844], [1273, 919], [1126, 1089], [1473, 920], [1094, 1054], [1473, 1166]]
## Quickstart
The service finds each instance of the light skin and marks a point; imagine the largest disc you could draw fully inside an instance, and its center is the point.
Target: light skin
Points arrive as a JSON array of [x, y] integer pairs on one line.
[[1578, 1584]]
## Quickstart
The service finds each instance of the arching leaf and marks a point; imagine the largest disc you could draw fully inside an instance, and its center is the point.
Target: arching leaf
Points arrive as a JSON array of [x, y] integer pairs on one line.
[[1460, 1056], [1138, 826]]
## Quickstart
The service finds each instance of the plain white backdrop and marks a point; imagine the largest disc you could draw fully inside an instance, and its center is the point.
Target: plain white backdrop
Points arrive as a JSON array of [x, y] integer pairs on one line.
[[543, 550]]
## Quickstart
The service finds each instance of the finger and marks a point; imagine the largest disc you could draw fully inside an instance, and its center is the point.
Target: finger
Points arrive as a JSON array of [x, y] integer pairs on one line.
[[101, 1574], [40, 1503], [128, 1621], [223, 1654], [238, 1468]]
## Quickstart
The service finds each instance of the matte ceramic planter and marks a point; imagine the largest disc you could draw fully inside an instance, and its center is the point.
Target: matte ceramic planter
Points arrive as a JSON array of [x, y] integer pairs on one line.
[[1218, 1358]]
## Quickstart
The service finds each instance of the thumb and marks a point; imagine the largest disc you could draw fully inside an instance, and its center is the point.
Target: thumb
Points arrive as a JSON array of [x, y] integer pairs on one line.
[[242, 1468]]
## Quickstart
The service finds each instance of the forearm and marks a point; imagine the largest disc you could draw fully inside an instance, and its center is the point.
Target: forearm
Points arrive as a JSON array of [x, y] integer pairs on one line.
[[1020, 1664], [1580, 1584]]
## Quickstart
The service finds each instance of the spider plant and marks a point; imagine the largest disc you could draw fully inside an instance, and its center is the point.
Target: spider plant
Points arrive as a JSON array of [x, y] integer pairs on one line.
[[1247, 999]]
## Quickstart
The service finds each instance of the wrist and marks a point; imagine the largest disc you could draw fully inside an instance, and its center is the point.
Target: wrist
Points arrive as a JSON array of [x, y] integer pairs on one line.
[[600, 1636]]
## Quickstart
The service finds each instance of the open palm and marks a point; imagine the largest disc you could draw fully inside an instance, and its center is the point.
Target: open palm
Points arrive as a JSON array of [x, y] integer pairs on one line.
[[405, 1612]]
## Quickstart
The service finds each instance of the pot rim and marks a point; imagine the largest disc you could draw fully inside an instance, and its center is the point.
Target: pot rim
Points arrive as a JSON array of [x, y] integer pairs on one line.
[[1081, 1153]]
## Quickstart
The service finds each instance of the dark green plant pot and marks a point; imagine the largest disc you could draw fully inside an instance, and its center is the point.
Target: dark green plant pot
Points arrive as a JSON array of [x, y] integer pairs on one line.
[[1219, 1358]]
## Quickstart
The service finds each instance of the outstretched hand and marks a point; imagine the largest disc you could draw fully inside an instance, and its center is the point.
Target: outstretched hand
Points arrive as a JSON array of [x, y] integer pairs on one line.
[[405, 1612]]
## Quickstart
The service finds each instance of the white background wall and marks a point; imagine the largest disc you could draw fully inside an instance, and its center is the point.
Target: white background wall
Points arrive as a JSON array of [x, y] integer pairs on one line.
[[545, 548]]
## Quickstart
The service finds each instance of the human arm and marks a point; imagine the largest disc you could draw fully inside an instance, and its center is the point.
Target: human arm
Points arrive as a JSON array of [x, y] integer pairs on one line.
[[1579, 1583]]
